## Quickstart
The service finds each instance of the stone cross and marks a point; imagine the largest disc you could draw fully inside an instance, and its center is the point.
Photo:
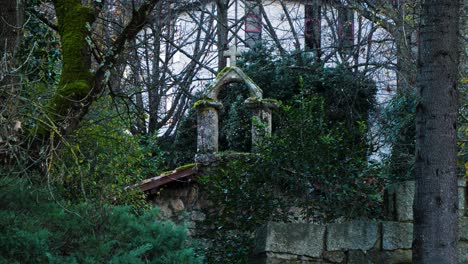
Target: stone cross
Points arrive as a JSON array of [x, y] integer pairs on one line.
[[232, 53]]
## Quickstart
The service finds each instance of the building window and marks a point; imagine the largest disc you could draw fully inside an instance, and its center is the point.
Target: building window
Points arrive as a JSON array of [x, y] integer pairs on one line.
[[253, 23], [312, 26], [346, 28]]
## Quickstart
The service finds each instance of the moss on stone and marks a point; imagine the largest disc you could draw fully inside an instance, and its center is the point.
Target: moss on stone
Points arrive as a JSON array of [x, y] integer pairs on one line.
[[185, 167], [254, 102], [271, 101], [181, 168], [223, 71], [203, 101]]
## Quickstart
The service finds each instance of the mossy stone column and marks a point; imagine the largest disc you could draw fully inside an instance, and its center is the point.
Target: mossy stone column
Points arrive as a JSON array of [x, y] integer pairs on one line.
[[207, 129], [261, 118]]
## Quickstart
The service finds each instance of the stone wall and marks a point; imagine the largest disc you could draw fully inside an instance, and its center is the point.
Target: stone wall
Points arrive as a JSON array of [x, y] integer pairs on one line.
[[182, 203], [353, 242]]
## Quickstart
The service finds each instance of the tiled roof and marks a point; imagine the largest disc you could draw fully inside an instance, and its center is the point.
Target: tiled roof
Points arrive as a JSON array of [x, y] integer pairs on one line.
[[182, 174]]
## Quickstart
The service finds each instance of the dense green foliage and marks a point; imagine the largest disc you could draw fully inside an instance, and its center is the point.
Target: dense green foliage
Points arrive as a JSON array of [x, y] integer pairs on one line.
[[38, 229], [399, 131], [102, 158], [183, 148], [316, 159], [398, 128], [308, 164], [313, 168], [348, 96], [69, 208]]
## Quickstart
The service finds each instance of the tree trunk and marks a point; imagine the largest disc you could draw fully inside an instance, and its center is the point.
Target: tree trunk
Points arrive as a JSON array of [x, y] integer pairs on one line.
[[222, 31], [76, 79], [11, 15], [10, 29], [436, 197], [10, 25]]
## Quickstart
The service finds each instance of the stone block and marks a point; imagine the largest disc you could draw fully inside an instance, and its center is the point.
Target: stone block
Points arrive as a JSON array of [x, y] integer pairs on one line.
[[380, 257], [389, 202], [462, 206], [177, 205], [463, 252], [334, 256], [397, 235], [165, 212], [463, 224], [400, 196], [404, 201], [358, 257], [400, 256], [354, 235], [293, 239], [197, 216], [207, 129], [278, 258], [192, 194]]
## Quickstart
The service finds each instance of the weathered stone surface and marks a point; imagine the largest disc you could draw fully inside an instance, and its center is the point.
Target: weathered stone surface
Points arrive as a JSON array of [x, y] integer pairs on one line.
[[261, 125], [192, 194], [380, 257], [463, 228], [399, 201], [389, 206], [205, 158], [462, 183], [207, 130], [198, 216], [294, 239], [296, 215], [463, 252], [352, 235], [278, 258], [177, 205], [462, 206], [401, 256], [165, 212], [397, 235], [404, 201], [229, 75], [359, 257], [334, 256]]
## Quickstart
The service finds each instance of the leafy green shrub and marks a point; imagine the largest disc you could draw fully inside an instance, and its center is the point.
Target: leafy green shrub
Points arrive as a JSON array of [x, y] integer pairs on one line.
[[399, 131], [37, 229], [398, 128], [310, 163], [245, 198], [323, 163], [349, 98], [234, 120], [313, 168], [101, 158]]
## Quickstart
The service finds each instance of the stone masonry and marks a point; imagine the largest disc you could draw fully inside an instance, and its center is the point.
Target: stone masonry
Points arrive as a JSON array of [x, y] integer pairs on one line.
[[208, 106], [353, 242]]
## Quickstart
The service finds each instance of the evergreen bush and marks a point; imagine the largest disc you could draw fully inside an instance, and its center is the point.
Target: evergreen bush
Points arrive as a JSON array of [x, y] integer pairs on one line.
[[35, 228]]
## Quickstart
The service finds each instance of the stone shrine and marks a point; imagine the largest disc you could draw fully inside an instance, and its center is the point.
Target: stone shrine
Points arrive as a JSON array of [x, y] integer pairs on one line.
[[208, 106]]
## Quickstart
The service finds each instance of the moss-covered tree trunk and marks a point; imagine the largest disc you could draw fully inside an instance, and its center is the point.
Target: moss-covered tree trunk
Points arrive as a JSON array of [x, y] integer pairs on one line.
[[76, 80], [79, 87]]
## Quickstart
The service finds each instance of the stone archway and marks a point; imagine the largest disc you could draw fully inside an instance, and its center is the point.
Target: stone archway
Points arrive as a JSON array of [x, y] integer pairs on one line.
[[208, 118]]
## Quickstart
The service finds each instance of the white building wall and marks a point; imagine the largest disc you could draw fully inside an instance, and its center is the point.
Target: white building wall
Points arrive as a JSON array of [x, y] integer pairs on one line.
[[376, 49]]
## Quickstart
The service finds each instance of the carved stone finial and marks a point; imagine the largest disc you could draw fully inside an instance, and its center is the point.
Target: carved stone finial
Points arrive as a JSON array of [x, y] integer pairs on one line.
[[232, 53]]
